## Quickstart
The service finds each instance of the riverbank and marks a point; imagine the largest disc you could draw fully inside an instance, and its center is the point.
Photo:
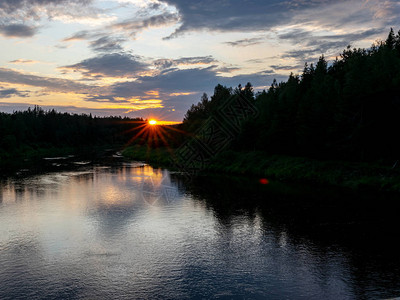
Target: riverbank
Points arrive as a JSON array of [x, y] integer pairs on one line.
[[35, 158], [374, 176], [160, 157], [354, 175]]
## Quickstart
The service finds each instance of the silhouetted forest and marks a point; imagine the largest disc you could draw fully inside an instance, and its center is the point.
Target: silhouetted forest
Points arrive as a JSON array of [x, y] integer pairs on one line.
[[346, 109], [35, 128]]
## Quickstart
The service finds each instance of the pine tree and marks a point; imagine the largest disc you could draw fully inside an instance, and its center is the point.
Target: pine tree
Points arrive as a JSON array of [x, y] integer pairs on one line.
[[391, 40]]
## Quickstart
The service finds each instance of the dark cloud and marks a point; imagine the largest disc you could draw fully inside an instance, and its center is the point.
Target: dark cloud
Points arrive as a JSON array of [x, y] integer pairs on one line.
[[350, 14], [110, 65], [286, 67], [10, 6], [302, 55], [196, 60], [7, 93], [267, 72], [225, 69], [48, 83], [34, 9], [81, 35], [308, 38], [107, 44], [17, 30], [312, 45], [107, 99], [169, 81], [195, 80], [133, 26], [255, 61], [105, 40], [176, 89], [245, 42], [99, 41], [18, 17], [296, 35], [234, 15], [261, 15]]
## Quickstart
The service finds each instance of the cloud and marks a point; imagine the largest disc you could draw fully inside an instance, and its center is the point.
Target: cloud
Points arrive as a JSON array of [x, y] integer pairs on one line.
[[256, 61], [107, 44], [81, 35], [20, 18], [34, 9], [135, 25], [110, 37], [350, 14], [273, 15], [23, 61], [169, 81], [17, 30], [302, 55], [245, 42], [192, 81], [312, 44], [48, 83], [173, 89], [234, 15], [106, 99], [286, 67], [309, 38], [8, 93], [98, 41], [110, 65], [194, 60], [10, 6], [226, 69]]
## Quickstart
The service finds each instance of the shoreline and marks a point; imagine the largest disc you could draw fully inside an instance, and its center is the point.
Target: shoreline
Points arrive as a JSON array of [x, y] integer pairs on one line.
[[359, 176], [39, 159]]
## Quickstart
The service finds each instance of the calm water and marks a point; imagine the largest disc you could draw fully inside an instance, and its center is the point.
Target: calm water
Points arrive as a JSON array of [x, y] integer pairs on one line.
[[133, 232]]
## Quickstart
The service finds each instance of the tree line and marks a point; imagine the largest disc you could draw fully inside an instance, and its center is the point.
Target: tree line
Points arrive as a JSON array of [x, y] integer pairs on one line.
[[36, 128], [345, 109]]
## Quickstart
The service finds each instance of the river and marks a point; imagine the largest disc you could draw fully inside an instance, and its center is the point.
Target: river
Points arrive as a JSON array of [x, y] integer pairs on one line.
[[130, 231]]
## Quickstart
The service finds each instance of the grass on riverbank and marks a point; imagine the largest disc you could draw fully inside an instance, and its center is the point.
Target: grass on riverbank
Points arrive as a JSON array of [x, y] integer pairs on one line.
[[26, 157], [158, 156], [355, 175], [22, 156]]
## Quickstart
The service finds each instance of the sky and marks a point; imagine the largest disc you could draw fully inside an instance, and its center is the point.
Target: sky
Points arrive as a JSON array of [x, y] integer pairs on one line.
[[155, 58]]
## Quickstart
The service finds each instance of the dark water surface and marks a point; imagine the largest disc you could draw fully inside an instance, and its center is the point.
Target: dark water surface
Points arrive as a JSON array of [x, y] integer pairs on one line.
[[128, 231]]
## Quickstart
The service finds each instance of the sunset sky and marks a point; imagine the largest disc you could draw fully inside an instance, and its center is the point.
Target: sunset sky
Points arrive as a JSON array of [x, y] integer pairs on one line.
[[152, 58]]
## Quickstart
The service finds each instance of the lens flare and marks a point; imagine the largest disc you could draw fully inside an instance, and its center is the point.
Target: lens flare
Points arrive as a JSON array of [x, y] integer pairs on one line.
[[152, 122]]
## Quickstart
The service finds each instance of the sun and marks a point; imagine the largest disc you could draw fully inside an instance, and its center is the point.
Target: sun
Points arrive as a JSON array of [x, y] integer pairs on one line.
[[152, 122], [153, 132]]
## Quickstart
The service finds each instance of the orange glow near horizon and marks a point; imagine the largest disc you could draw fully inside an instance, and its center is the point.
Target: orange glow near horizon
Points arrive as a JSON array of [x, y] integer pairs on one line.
[[168, 122], [154, 132], [153, 121]]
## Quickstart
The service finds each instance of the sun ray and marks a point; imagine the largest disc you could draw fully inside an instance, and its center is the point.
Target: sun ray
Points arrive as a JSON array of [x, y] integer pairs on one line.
[[153, 134]]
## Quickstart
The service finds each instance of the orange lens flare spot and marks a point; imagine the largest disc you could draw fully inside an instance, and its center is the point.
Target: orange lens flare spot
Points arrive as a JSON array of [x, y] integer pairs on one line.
[[152, 122], [264, 181]]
